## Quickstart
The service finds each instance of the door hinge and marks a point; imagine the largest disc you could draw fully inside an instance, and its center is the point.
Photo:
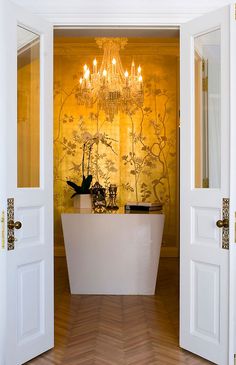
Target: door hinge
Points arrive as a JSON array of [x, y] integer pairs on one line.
[[3, 229], [234, 359]]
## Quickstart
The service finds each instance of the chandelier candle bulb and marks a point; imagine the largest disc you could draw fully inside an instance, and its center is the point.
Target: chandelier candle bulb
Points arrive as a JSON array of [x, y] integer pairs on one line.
[[95, 69], [139, 70], [140, 79], [133, 69], [85, 79], [114, 66], [104, 74], [126, 77], [86, 74]]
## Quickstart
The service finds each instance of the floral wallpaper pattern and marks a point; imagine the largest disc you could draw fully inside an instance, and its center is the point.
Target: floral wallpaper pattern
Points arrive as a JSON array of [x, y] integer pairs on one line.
[[137, 150]]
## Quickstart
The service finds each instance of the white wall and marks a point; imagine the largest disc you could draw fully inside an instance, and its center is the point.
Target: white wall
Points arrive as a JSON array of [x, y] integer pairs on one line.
[[121, 12]]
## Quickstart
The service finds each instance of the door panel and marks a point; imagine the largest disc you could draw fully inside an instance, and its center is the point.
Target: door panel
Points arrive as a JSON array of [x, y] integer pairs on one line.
[[31, 309], [32, 232], [205, 231], [205, 301], [204, 175]]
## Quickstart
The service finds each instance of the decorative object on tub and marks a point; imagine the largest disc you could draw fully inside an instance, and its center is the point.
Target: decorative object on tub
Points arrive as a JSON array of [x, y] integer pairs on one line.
[[83, 201], [112, 197], [82, 196], [98, 197], [143, 206]]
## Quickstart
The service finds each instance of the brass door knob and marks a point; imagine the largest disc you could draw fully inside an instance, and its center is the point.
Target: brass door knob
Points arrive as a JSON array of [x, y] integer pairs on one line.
[[14, 225], [222, 223]]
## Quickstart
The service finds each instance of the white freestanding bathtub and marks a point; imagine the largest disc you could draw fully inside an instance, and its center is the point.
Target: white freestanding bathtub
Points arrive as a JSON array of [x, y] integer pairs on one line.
[[112, 253]]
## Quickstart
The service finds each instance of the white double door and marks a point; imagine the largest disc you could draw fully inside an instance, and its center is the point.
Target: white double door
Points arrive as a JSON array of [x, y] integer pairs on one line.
[[208, 186], [26, 181], [208, 180]]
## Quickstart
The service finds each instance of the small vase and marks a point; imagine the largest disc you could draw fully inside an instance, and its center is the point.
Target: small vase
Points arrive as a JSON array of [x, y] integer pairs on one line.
[[82, 201]]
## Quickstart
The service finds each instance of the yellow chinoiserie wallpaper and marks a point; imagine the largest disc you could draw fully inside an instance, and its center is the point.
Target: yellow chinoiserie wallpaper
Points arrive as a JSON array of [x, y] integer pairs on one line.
[[137, 150]]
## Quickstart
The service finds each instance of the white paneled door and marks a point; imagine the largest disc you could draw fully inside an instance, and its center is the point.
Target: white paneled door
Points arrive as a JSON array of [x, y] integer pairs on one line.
[[26, 253], [208, 186]]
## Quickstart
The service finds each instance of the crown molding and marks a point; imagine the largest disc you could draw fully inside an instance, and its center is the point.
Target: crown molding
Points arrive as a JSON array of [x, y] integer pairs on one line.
[[113, 13], [157, 49]]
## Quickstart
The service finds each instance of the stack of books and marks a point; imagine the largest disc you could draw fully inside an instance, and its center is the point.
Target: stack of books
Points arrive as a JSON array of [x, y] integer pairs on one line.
[[143, 206]]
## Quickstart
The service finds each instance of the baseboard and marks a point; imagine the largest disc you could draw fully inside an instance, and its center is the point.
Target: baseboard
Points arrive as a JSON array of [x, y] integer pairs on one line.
[[169, 252], [59, 251]]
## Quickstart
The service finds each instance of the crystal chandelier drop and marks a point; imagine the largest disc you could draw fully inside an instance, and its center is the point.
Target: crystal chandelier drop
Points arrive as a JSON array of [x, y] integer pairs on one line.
[[110, 86]]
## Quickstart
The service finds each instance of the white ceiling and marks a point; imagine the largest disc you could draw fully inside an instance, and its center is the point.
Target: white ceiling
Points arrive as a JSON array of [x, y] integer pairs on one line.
[[121, 12]]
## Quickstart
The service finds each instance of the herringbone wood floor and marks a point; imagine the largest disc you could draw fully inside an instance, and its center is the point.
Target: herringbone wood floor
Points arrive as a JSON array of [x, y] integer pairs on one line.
[[118, 330]]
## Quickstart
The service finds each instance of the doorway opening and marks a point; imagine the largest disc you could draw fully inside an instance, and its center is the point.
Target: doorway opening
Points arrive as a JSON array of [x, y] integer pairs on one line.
[[154, 174], [139, 152]]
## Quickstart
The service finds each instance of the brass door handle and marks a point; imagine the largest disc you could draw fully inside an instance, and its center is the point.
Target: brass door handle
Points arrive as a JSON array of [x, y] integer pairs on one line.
[[14, 225], [222, 223]]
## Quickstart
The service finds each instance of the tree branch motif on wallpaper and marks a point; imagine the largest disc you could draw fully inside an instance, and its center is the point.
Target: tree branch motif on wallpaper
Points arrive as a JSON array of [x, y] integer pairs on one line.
[[154, 160]]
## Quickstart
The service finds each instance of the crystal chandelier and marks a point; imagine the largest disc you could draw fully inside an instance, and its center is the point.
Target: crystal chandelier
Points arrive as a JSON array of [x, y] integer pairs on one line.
[[110, 86]]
